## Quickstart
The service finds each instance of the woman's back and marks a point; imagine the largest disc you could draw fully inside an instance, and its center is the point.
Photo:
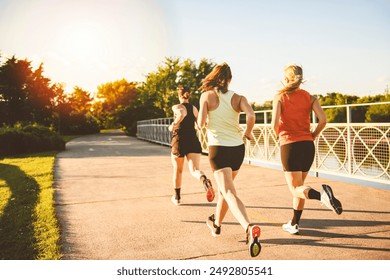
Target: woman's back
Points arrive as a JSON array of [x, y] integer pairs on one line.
[[223, 127]]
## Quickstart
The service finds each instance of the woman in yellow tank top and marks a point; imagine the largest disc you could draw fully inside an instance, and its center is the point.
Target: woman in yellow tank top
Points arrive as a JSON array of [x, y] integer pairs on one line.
[[221, 108]]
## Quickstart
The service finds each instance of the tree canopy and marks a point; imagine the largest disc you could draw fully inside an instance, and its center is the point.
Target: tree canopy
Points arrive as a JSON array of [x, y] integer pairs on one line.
[[27, 96]]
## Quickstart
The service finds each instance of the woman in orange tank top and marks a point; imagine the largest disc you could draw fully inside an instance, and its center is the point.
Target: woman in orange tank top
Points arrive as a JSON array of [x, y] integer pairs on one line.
[[291, 122]]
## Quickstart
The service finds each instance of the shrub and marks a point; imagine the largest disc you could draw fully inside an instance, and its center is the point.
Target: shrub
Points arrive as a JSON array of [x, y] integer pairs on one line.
[[29, 139]]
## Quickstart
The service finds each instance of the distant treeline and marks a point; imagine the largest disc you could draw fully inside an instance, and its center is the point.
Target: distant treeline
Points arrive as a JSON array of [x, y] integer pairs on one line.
[[28, 97], [359, 114]]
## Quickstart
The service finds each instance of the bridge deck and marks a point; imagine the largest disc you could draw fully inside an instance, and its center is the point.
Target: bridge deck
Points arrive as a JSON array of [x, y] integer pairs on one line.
[[113, 200]]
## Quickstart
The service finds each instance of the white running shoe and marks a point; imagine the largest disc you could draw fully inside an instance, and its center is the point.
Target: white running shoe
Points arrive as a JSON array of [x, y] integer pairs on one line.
[[292, 229], [329, 200], [175, 201]]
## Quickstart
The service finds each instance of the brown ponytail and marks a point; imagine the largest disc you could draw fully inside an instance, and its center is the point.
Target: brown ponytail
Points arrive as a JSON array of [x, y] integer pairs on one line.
[[218, 78]]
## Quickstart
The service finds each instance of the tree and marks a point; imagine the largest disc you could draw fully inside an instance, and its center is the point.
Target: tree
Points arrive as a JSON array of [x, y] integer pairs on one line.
[[80, 100], [337, 115], [158, 93], [112, 97], [40, 94], [14, 76], [379, 113], [25, 95]]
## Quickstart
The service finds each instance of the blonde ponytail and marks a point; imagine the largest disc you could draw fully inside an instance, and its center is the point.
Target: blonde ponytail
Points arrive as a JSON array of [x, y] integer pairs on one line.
[[293, 75]]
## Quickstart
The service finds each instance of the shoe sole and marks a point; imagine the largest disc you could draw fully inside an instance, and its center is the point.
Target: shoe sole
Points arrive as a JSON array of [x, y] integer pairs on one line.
[[210, 191], [255, 246], [334, 202], [212, 230]]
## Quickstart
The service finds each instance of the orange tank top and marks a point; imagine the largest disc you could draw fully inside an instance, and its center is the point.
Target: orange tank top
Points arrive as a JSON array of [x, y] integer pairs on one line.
[[294, 122]]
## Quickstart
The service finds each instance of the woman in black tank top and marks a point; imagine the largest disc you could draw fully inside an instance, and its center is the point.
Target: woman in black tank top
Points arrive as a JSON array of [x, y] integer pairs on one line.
[[185, 144]]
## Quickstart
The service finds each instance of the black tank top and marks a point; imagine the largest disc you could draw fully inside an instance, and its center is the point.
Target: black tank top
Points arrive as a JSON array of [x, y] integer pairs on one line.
[[188, 123]]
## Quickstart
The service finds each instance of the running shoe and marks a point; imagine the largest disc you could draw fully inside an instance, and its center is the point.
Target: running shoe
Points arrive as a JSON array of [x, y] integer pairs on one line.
[[292, 229], [209, 190], [215, 230], [252, 237], [175, 201], [329, 200]]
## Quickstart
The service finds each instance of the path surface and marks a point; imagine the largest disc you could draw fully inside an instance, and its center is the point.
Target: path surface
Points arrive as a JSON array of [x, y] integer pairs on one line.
[[113, 201]]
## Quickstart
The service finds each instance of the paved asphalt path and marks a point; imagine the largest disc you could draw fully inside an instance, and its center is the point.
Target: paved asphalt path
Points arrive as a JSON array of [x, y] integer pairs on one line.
[[113, 202]]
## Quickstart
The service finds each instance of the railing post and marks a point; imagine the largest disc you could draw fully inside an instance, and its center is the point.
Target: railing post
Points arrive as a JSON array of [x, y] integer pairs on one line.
[[314, 122], [349, 140], [266, 140]]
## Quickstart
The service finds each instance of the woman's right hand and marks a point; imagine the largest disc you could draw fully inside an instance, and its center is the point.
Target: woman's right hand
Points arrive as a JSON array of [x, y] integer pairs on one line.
[[248, 135], [170, 127]]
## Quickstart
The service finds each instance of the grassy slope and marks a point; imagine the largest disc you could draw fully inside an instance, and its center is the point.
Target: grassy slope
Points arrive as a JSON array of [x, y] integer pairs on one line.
[[28, 225]]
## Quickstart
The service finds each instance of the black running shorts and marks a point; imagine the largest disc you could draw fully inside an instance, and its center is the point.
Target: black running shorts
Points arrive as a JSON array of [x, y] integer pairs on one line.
[[297, 156], [222, 156], [182, 145]]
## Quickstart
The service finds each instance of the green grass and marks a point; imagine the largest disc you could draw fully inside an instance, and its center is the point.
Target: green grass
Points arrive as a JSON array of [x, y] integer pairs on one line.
[[29, 228], [67, 138]]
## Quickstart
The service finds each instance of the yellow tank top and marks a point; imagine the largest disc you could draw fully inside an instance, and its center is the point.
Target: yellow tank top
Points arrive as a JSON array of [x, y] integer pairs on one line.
[[223, 127]]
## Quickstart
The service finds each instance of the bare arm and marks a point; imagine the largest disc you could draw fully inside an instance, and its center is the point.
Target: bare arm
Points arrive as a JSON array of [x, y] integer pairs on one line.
[[320, 114], [276, 110], [250, 117], [179, 112], [203, 110]]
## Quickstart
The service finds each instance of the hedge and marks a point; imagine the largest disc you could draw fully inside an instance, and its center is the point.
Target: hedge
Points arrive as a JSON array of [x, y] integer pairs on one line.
[[29, 139]]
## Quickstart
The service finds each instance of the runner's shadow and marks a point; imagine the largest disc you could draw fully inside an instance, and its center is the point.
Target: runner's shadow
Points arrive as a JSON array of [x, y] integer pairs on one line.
[[16, 221], [199, 204], [326, 223], [320, 243], [318, 209]]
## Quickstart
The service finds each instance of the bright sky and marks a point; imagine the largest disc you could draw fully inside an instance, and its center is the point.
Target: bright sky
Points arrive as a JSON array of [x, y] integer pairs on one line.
[[343, 45]]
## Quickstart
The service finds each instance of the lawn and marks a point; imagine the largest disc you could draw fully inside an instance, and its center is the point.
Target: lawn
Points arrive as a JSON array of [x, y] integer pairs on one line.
[[29, 228]]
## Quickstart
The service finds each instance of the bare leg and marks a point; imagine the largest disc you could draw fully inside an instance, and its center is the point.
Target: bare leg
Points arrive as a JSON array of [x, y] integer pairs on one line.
[[295, 183], [222, 206], [177, 163], [224, 179], [193, 165]]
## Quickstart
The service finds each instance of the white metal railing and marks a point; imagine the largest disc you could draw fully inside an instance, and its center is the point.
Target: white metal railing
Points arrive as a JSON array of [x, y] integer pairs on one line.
[[352, 150]]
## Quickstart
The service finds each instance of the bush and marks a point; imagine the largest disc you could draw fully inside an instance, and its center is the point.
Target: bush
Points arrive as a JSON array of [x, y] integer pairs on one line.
[[29, 139]]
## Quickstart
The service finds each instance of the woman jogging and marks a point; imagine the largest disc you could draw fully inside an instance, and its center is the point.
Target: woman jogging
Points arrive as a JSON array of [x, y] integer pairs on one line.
[[219, 111], [291, 122], [185, 144]]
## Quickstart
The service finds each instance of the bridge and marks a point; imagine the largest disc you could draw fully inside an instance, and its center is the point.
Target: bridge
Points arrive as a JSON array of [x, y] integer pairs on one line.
[[350, 152]]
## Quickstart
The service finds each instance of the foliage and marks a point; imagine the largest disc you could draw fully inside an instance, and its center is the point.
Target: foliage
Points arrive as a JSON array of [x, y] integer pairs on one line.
[[27, 96], [112, 97], [29, 139], [158, 93], [379, 113], [359, 114]]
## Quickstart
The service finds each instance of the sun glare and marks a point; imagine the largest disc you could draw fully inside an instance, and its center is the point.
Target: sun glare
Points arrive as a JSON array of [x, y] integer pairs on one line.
[[82, 42], [89, 42]]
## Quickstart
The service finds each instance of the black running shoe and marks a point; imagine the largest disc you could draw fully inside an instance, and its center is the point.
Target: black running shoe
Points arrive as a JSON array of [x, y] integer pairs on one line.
[[329, 200], [215, 230]]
